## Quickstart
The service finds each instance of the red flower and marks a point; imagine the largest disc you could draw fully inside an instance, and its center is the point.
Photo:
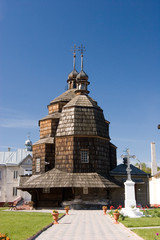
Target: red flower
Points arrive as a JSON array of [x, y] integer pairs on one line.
[[111, 207], [120, 206]]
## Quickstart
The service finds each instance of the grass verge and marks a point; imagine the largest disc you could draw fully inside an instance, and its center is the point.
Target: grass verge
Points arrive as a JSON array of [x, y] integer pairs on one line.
[[141, 222], [22, 225], [147, 234], [151, 219]]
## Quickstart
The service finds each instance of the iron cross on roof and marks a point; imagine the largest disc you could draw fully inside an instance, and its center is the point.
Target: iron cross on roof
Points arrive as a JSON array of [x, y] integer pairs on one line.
[[81, 49], [74, 49], [128, 156]]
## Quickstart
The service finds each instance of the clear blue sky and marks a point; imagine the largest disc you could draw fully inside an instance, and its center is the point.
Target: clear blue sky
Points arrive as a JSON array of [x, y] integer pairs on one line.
[[122, 59]]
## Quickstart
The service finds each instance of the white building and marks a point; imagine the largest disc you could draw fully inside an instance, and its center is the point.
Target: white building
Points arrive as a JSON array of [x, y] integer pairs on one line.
[[154, 181], [154, 185], [12, 165]]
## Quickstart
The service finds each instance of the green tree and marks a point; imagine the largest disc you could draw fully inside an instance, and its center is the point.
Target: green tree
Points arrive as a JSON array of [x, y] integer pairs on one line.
[[143, 167]]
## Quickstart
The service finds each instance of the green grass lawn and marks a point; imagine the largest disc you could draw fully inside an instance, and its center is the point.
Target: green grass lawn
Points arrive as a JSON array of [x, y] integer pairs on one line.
[[141, 222], [22, 225], [147, 234]]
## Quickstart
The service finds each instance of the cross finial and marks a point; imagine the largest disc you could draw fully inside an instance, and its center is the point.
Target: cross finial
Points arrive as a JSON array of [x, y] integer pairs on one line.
[[128, 156], [74, 49], [82, 50]]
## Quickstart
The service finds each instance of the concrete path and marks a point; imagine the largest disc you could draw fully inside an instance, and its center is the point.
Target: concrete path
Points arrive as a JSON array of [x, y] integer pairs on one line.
[[87, 225]]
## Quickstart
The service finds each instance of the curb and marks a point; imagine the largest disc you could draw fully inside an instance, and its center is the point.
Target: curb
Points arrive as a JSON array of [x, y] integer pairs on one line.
[[129, 230], [137, 236], [42, 230]]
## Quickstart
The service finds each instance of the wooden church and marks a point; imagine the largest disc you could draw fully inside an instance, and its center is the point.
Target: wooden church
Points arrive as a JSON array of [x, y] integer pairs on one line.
[[74, 155]]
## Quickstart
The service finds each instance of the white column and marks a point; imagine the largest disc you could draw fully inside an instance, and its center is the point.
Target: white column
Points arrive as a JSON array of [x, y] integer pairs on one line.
[[153, 159]]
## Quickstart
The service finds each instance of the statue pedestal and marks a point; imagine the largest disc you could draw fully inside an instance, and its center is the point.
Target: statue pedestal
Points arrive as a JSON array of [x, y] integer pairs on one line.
[[130, 200], [130, 209], [131, 212]]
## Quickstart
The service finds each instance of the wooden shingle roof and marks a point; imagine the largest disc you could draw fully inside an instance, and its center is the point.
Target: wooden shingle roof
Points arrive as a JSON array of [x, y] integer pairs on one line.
[[82, 116], [58, 179], [45, 140], [65, 97]]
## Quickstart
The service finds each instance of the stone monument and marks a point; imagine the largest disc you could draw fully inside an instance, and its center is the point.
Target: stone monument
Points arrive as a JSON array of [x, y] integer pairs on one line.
[[130, 209]]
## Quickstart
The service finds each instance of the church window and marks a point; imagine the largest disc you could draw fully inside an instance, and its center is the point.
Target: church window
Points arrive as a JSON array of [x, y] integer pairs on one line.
[[84, 156], [38, 160], [14, 191], [46, 190], [15, 174]]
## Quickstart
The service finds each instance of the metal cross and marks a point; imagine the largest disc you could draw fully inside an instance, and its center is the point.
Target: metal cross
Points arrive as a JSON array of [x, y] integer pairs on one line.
[[81, 49], [74, 49], [128, 156]]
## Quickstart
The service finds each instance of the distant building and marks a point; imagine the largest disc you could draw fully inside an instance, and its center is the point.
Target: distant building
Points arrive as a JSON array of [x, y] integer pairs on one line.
[[154, 185], [154, 181], [138, 176], [12, 165]]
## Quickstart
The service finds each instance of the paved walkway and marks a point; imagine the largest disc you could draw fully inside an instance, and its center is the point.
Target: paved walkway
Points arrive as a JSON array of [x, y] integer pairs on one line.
[[87, 225]]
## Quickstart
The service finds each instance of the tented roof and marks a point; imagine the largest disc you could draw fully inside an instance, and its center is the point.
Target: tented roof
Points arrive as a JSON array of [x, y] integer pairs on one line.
[[82, 116]]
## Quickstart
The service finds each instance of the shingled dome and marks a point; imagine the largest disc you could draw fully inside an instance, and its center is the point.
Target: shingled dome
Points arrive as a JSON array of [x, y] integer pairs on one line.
[[82, 116], [82, 76], [73, 74]]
